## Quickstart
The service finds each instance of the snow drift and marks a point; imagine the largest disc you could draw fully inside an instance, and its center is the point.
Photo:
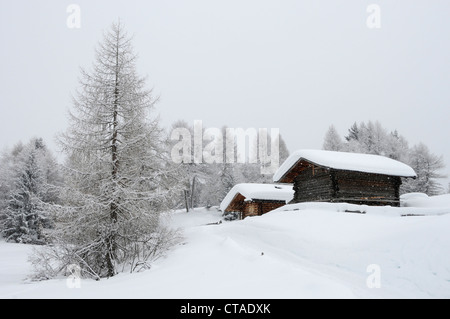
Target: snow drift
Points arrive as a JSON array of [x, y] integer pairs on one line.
[[308, 250]]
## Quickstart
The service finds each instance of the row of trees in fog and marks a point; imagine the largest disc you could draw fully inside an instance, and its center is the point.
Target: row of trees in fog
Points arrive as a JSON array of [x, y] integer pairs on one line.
[[373, 138], [206, 184]]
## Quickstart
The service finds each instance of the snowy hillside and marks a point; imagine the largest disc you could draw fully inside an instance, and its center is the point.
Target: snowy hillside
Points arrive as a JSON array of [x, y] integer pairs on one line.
[[298, 251]]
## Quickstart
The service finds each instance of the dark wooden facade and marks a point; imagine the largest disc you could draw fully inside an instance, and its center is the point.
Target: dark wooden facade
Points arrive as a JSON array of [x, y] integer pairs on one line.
[[316, 183], [258, 207], [254, 207]]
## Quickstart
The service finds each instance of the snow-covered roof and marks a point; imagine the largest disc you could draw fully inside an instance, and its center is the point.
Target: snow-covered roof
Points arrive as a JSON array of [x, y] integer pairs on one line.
[[258, 191], [366, 163]]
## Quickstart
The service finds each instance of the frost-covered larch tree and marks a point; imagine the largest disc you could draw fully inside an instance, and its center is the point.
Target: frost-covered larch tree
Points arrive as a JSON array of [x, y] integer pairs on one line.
[[117, 175], [428, 167]]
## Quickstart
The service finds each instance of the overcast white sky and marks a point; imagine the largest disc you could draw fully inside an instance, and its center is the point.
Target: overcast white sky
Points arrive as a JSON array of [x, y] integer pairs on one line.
[[299, 66]]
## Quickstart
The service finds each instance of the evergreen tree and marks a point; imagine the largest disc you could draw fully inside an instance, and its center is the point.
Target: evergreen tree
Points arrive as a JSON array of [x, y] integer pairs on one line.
[[23, 214], [8, 160], [31, 188], [353, 133]]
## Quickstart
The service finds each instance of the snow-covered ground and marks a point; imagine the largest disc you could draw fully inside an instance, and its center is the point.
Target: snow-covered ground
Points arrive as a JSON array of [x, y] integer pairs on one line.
[[298, 251]]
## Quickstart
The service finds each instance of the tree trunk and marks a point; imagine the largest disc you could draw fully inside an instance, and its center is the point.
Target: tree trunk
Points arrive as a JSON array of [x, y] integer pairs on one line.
[[111, 241], [186, 201]]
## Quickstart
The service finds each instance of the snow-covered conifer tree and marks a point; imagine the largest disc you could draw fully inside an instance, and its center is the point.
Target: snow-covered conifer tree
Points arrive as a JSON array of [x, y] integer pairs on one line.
[[33, 175], [117, 173], [353, 133], [428, 168], [332, 140]]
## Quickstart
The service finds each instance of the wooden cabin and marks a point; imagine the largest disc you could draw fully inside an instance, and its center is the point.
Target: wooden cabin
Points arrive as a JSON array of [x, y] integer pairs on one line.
[[330, 176], [256, 199]]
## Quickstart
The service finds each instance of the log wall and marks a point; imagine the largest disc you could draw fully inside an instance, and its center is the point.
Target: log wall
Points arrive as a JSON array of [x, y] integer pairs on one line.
[[365, 188], [259, 207], [321, 184], [313, 184]]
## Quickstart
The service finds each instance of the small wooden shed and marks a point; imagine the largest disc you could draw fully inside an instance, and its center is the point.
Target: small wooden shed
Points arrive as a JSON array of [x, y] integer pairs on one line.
[[343, 177], [256, 199]]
